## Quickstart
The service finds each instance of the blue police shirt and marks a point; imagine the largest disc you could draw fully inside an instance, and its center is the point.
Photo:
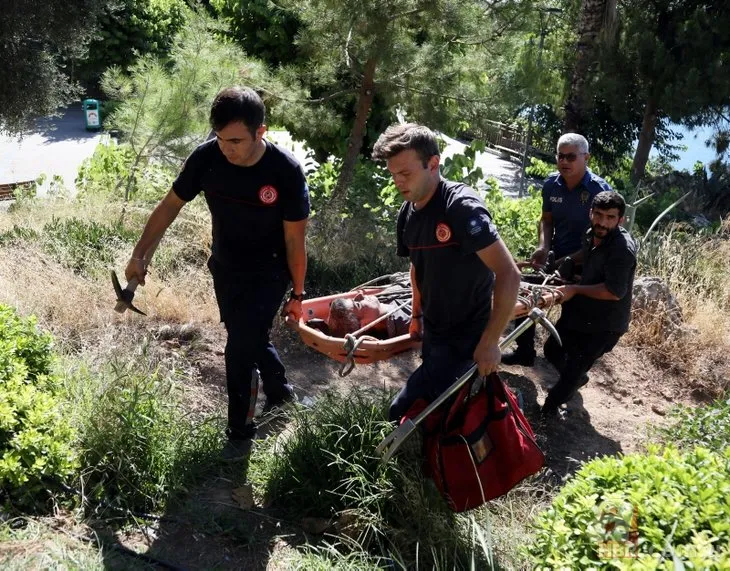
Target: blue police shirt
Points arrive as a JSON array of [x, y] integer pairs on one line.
[[570, 209]]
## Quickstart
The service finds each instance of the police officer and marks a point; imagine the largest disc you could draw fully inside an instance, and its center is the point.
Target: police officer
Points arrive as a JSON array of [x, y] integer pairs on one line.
[[458, 264], [259, 204], [566, 201]]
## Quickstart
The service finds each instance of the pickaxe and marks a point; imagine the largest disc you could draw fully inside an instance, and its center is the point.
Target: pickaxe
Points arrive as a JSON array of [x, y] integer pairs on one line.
[[126, 295], [395, 439]]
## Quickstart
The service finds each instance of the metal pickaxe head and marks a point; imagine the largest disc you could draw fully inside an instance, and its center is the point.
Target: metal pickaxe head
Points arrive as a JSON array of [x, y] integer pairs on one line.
[[540, 317], [125, 296]]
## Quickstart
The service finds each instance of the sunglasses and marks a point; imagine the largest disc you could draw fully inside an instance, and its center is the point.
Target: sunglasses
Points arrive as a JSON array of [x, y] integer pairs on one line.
[[570, 157]]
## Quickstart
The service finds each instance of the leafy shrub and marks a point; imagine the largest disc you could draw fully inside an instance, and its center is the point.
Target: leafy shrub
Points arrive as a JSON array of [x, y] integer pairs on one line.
[[461, 166], [325, 466], [707, 426], [516, 219], [539, 169], [138, 445], [657, 511], [35, 438], [17, 235], [109, 173], [82, 245], [354, 243]]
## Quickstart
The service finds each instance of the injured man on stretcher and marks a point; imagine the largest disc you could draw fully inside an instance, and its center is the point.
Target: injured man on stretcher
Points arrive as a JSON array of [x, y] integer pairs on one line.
[[348, 315]]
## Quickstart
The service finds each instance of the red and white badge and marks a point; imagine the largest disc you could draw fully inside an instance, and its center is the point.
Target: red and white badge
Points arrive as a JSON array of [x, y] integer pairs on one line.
[[443, 232], [268, 194]]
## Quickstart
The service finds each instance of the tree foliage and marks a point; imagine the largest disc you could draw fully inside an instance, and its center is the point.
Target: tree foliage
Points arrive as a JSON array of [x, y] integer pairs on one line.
[[423, 58], [668, 65], [164, 104], [130, 28], [39, 39], [261, 28]]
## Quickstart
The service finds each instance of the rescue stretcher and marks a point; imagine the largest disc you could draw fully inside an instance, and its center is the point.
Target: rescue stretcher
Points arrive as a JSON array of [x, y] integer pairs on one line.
[[351, 350]]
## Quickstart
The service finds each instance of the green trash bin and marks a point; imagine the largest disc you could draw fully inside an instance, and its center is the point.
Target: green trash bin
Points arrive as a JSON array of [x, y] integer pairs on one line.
[[92, 114]]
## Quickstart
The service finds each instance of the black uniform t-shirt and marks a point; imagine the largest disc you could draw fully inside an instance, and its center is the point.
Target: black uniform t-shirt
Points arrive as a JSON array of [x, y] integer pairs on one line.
[[248, 204], [612, 262], [442, 239]]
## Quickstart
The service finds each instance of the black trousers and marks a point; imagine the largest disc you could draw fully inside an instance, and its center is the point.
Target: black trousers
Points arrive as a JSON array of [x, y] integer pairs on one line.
[[248, 302], [443, 363], [580, 350], [525, 343]]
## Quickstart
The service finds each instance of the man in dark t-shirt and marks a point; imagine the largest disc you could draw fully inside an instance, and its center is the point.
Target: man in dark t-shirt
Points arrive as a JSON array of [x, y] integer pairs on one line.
[[463, 278], [596, 312], [566, 200], [259, 204]]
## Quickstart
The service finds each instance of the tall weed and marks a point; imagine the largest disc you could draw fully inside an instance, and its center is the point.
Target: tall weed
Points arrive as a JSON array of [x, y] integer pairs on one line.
[[138, 444], [325, 466]]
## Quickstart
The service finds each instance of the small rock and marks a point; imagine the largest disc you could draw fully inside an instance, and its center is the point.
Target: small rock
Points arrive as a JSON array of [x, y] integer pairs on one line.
[[188, 332], [243, 496], [638, 400], [658, 410], [165, 332]]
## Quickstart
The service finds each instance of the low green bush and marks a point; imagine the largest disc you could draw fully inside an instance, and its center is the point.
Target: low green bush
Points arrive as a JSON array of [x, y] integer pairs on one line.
[[539, 169], [707, 426], [81, 245], [37, 457], [516, 219], [138, 445], [107, 174], [663, 510], [324, 466], [17, 235]]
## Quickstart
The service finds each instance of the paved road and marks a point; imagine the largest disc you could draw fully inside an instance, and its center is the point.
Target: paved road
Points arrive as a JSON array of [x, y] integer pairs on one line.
[[56, 146], [505, 171]]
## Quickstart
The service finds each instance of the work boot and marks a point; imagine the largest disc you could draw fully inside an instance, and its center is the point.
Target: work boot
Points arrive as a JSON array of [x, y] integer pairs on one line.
[[237, 449], [288, 398], [519, 357]]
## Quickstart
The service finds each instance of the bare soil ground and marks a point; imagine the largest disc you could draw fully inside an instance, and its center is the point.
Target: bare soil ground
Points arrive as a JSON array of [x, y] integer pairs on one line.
[[627, 397]]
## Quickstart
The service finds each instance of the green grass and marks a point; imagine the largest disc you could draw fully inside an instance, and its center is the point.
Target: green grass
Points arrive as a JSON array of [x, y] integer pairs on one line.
[[324, 465], [707, 426]]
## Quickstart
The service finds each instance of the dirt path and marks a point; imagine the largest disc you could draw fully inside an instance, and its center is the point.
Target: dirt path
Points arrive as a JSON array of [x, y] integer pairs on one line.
[[611, 415]]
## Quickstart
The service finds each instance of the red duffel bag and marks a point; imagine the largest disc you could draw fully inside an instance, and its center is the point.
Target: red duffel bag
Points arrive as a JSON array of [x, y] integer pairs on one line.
[[481, 447]]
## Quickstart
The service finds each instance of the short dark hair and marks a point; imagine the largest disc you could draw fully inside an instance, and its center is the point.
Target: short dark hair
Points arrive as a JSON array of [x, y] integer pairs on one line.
[[402, 137], [609, 199], [237, 104], [342, 318]]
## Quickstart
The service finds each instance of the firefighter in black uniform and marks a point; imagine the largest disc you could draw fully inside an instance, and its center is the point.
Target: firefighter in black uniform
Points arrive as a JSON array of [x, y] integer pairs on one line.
[[458, 264], [259, 204]]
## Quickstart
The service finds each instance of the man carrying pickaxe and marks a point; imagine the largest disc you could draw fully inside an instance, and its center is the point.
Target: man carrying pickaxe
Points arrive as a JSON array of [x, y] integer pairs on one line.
[[259, 203]]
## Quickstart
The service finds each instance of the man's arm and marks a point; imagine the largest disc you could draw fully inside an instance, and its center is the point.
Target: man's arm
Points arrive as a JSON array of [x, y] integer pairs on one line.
[[160, 219], [296, 258], [506, 286], [596, 291], [416, 327], [544, 240]]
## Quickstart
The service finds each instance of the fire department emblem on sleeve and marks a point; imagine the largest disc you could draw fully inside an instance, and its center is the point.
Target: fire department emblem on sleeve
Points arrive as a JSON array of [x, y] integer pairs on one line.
[[268, 194]]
